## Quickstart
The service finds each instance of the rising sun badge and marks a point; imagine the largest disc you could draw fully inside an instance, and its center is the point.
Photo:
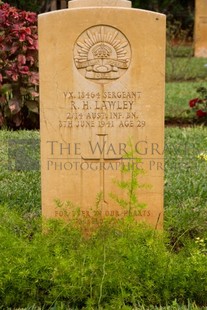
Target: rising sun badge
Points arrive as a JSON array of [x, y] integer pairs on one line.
[[102, 53]]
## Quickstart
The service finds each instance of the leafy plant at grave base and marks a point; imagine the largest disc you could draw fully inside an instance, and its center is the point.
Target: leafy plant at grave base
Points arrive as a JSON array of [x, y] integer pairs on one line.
[[122, 265], [19, 107], [130, 169], [199, 105]]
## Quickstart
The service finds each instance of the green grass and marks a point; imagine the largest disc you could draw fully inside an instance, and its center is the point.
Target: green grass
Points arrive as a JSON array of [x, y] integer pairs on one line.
[[180, 49], [122, 265], [185, 69], [183, 76], [185, 181], [185, 173], [19, 189], [177, 96]]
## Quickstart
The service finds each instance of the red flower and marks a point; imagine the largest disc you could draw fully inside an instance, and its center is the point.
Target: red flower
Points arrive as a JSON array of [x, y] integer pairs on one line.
[[201, 113], [31, 17], [24, 70], [193, 102]]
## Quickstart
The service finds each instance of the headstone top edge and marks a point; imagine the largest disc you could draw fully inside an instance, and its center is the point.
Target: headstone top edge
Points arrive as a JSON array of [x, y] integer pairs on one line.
[[157, 14], [99, 3]]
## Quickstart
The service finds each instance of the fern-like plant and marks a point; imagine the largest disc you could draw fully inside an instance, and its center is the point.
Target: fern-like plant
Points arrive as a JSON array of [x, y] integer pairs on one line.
[[130, 184]]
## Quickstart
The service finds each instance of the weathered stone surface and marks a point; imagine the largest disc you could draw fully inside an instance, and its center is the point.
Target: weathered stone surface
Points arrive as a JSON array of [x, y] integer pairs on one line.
[[101, 86], [98, 3], [201, 28]]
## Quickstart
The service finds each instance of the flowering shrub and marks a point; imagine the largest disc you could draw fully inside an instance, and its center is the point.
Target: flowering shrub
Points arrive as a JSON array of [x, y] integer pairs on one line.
[[18, 67], [199, 105]]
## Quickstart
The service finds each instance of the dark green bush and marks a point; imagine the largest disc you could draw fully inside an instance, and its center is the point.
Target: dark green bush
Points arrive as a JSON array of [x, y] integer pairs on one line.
[[121, 264]]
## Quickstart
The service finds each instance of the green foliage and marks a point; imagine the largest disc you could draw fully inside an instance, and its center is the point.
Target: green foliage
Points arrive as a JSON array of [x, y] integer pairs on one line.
[[38, 6], [131, 184], [185, 184], [19, 187], [177, 95], [199, 105], [176, 11], [185, 69], [181, 65], [178, 41], [121, 264], [25, 4]]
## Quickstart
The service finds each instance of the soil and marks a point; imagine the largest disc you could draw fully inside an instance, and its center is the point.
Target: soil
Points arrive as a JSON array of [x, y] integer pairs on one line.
[[185, 122]]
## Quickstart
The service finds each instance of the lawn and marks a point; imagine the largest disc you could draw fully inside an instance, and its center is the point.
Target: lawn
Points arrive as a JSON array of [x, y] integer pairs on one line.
[[184, 75], [178, 94], [64, 270]]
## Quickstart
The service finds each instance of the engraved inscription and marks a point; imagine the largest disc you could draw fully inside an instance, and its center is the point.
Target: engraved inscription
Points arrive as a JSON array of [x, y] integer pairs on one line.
[[94, 214], [102, 53], [107, 109]]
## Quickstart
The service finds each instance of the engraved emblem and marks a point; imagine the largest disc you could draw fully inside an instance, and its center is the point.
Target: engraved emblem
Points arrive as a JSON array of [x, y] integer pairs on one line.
[[102, 53]]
